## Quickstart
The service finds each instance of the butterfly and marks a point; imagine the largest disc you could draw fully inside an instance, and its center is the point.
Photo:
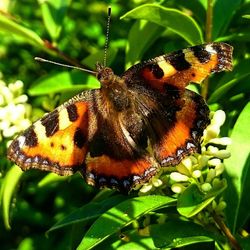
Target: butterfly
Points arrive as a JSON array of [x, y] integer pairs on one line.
[[123, 133]]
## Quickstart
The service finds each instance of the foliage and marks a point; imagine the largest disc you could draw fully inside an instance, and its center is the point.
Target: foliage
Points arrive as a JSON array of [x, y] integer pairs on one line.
[[83, 218]]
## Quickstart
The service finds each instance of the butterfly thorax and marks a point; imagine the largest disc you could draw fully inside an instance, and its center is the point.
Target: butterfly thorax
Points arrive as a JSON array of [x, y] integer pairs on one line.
[[113, 88]]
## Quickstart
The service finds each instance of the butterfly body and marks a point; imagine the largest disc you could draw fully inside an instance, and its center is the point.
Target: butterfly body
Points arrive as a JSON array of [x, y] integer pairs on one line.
[[121, 134]]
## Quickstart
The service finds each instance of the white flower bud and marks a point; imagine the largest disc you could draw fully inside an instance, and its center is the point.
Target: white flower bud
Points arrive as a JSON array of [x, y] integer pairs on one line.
[[8, 96], [187, 162], [221, 206], [2, 102], [222, 154], [211, 150], [156, 182], [146, 188], [177, 188], [214, 162], [212, 131], [202, 161], [219, 118], [196, 174], [21, 99], [10, 132], [177, 177], [210, 175], [221, 141], [182, 169], [219, 169], [206, 187]]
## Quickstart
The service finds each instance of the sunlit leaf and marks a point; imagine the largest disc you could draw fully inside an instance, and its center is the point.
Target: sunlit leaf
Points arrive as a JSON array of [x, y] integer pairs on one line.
[[63, 82], [238, 171], [119, 216], [173, 19], [7, 190], [192, 200]]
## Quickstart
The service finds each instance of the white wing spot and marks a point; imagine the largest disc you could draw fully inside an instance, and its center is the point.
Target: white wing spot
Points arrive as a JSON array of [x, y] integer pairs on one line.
[[21, 141]]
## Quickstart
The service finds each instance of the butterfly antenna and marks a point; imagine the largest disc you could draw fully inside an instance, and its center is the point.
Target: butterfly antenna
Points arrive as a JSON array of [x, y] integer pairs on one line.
[[107, 37], [65, 65]]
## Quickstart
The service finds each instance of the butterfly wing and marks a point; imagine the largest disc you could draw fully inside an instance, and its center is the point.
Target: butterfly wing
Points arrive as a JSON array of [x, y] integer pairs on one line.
[[58, 141], [177, 69], [175, 117]]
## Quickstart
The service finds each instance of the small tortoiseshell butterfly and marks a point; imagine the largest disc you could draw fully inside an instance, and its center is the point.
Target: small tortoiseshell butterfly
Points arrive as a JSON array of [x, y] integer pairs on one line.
[[121, 134]]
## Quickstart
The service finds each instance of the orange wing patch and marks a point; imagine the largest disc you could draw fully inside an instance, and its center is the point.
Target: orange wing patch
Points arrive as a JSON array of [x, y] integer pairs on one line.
[[119, 173], [57, 142], [189, 65], [183, 138]]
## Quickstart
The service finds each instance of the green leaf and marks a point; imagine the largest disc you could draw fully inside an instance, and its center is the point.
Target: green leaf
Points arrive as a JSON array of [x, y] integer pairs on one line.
[[7, 190], [51, 178], [10, 27], [238, 171], [127, 240], [177, 233], [173, 19], [63, 82], [230, 80], [93, 58], [223, 12], [141, 36], [246, 16], [120, 216], [53, 12], [192, 200], [89, 211]]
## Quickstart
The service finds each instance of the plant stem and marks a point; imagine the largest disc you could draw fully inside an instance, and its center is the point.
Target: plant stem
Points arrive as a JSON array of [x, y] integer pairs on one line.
[[208, 38], [233, 242]]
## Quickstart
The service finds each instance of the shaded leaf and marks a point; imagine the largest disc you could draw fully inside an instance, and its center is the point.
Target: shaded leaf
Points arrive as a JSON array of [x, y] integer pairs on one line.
[[223, 11], [89, 211], [141, 36], [230, 80], [8, 188], [175, 20], [238, 171], [120, 216], [53, 12]]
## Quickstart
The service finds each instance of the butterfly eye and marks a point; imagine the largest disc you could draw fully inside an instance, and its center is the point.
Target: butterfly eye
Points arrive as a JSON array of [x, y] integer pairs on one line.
[[105, 76]]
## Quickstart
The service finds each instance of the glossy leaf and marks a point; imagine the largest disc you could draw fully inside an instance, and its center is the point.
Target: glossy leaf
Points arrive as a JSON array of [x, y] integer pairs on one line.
[[177, 233], [8, 26], [173, 19], [120, 216], [8, 187], [238, 171], [223, 11], [53, 12], [230, 80], [63, 82], [192, 200], [89, 211], [141, 36]]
